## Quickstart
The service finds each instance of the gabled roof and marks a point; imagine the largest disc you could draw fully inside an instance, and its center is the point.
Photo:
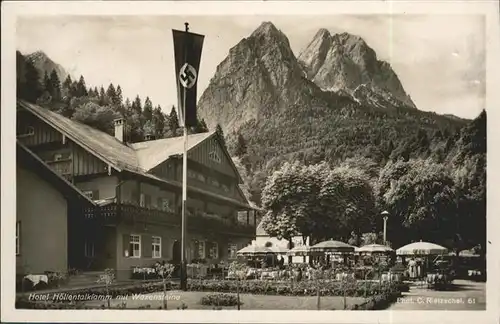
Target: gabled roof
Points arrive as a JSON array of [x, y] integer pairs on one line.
[[102, 145], [152, 153], [138, 158], [29, 160]]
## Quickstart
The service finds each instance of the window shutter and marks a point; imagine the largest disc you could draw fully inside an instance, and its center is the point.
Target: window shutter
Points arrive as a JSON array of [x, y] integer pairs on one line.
[[126, 245], [147, 246], [95, 194]]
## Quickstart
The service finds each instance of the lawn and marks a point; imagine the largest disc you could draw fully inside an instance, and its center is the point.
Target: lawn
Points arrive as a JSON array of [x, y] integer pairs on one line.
[[250, 302]]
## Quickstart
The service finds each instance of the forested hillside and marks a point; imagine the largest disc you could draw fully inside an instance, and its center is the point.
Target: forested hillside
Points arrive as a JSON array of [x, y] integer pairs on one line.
[[94, 106]]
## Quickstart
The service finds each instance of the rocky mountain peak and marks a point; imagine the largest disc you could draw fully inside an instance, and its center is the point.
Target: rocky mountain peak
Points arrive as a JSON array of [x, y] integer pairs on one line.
[[265, 28], [38, 55], [260, 77], [43, 63], [344, 62], [322, 33]]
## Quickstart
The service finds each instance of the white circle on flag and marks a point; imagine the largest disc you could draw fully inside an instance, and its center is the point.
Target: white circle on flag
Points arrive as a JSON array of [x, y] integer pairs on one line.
[[187, 76]]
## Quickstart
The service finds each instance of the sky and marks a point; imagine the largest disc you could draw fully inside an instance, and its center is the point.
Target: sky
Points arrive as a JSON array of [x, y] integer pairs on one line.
[[440, 59]]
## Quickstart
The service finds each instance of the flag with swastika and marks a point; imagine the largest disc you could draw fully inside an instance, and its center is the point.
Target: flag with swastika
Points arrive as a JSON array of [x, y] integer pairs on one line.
[[187, 52]]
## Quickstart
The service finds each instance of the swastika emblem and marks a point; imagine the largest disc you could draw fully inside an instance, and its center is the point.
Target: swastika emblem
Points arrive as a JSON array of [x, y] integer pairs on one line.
[[187, 76]]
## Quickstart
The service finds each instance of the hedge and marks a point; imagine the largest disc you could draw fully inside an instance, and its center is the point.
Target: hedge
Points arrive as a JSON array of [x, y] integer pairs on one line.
[[303, 288], [220, 299]]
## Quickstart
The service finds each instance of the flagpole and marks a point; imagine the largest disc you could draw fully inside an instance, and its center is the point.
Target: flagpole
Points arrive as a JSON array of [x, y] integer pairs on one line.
[[184, 187]]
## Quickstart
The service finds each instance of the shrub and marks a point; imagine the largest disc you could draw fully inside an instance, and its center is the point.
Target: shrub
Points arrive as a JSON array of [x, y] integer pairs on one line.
[[220, 300], [303, 288]]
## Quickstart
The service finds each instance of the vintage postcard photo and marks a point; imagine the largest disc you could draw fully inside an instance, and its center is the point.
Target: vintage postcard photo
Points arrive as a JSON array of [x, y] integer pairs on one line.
[[203, 163]]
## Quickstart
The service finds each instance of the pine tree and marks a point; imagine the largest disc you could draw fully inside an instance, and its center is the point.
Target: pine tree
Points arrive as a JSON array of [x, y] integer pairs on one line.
[[111, 94], [66, 87], [74, 89], [173, 120], [81, 88], [119, 96], [158, 122], [203, 126], [241, 146], [47, 86], [33, 87], [103, 98], [220, 132], [147, 113], [137, 105], [128, 106], [55, 86]]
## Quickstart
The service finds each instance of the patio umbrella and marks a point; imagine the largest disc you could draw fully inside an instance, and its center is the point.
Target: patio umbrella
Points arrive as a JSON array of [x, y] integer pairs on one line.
[[421, 248], [332, 246], [302, 250], [279, 250], [370, 248], [255, 250]]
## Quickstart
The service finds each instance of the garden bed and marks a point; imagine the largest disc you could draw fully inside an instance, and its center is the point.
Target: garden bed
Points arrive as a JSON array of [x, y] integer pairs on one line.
[[302, 288]]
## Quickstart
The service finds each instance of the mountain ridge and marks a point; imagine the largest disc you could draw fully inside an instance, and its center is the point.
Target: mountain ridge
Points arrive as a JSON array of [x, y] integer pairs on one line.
[[343, 62], [43, 63]]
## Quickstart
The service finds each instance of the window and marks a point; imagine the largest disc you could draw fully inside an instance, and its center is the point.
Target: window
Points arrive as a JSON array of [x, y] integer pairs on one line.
[[165, 204], [89, 249], [89, 194], [147, 201], [231, 250], [214, 157], [201, 249], [156, 245], [214, 251], [18, 238], [135, 246]]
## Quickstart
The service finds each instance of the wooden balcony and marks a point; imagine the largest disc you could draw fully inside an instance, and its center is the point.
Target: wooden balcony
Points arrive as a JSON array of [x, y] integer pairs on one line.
[[114, 214]]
